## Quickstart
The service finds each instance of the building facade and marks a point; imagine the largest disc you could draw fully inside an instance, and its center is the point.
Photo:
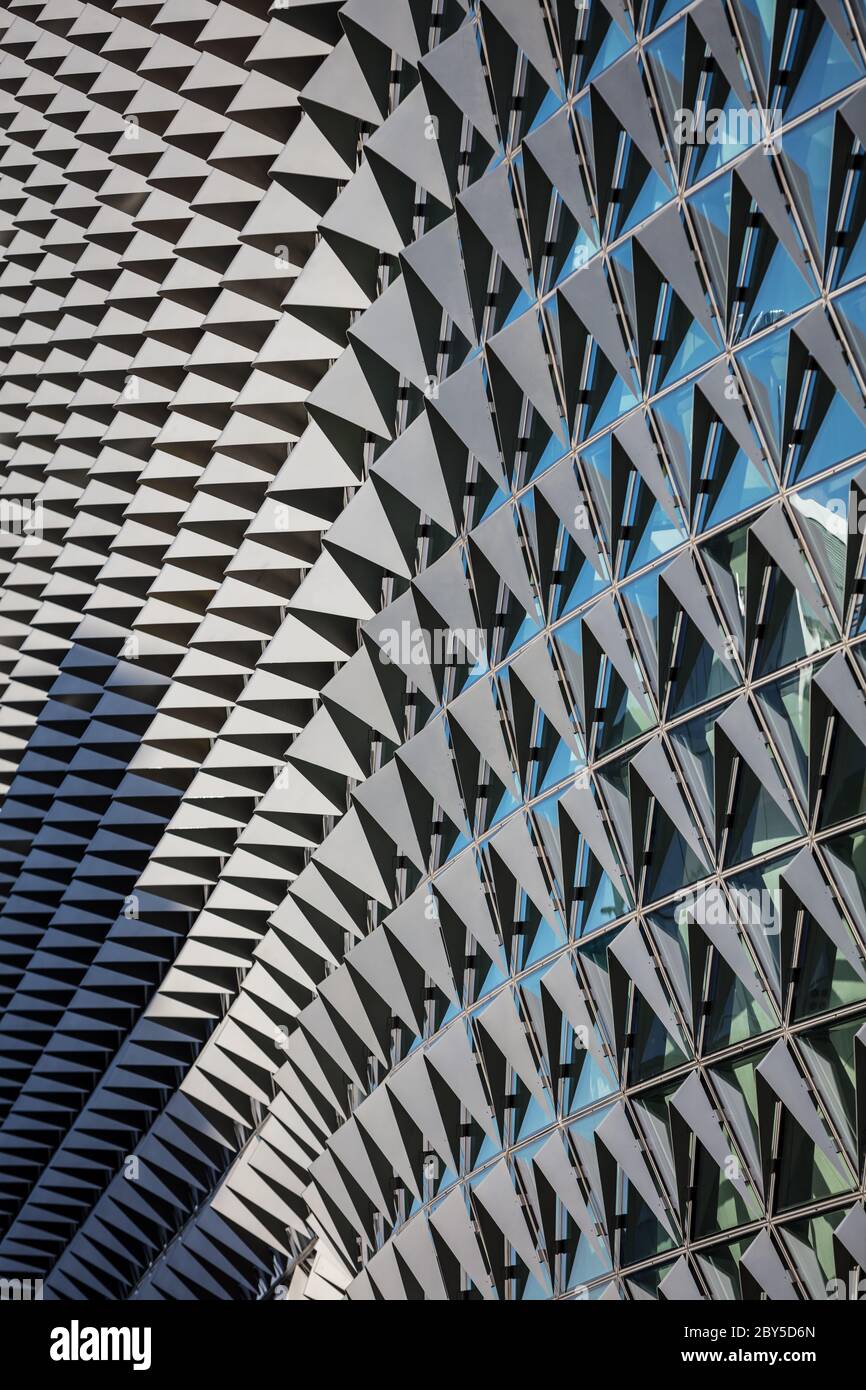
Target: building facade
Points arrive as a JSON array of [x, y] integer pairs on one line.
[[433, 616]]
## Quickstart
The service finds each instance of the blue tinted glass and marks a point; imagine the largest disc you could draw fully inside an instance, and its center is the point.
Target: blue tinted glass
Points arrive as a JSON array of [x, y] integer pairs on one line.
[[807, 151], [551, 104], [829, 69], [612, 47], [696, 348], [765, 365], [839, 436], [554, 451], [782, 290], [742, 485], [618, 402], [653, 195], [582, 589], [852, 265]]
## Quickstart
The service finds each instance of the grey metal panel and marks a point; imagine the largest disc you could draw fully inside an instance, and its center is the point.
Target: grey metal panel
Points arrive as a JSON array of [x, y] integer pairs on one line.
[[616, 1135], [451, 1220], [763, 1263], [679, 1284], [780, 1073]]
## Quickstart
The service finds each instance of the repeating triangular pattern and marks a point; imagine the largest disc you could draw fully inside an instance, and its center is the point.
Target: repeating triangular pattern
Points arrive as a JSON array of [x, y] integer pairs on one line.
[[433, 623]]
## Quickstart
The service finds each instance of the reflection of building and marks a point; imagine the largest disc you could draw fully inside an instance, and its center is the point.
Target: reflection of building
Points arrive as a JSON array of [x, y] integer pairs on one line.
[[332, 971], [768, 318]]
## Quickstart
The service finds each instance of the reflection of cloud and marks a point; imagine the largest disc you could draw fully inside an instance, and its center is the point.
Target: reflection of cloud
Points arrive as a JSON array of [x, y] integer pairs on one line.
[[833, 516], [666, 540], [810, 628]]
